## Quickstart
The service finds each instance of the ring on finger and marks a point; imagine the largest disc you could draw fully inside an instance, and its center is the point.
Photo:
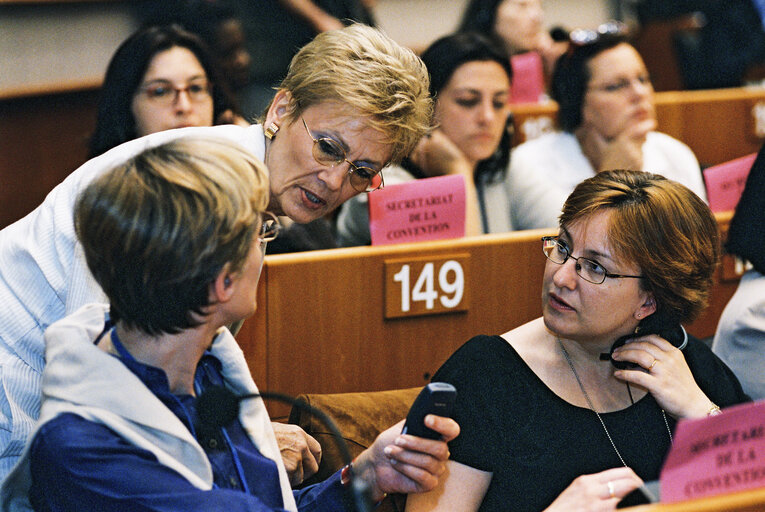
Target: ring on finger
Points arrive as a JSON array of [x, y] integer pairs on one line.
[[610, 486], [652, 365]]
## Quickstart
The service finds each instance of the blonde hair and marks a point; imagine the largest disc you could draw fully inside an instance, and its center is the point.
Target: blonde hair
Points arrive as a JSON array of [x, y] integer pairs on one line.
[[158, 229], [661, 226], [371, 74]]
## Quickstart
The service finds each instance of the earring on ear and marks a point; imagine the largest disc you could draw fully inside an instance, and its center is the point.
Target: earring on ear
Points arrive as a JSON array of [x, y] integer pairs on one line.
[[271, 130], [226, 282]]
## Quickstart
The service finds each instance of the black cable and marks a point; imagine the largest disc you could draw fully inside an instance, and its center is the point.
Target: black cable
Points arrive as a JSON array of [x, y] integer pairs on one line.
[[218, 406]]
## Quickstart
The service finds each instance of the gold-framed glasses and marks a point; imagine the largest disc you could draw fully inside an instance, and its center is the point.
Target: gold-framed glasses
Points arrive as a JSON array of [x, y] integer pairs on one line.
[[589, 270], [329, 152], [164, 92]]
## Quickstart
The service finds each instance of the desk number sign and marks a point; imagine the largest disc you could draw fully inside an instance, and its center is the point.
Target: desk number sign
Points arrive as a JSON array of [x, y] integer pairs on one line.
[[426, 286]]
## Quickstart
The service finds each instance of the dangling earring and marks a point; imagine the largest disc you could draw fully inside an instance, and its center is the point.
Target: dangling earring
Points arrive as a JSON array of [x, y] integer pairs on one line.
[[271, 130]]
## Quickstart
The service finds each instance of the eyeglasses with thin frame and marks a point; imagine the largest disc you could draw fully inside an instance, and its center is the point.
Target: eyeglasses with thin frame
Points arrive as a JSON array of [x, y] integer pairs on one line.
[[269, 230], [164, 92], [329, 152], [589, 270], [643, 80]]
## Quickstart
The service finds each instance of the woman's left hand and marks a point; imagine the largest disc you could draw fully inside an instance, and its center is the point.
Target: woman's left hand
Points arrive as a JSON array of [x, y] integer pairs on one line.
[[405, 463], [437, 155], [665, 374]]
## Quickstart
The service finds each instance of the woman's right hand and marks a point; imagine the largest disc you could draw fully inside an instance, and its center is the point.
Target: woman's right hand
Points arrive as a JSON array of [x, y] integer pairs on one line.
[[598, 492]]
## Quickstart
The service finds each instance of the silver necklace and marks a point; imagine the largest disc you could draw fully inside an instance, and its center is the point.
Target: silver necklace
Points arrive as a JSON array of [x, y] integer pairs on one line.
[[589, 404]]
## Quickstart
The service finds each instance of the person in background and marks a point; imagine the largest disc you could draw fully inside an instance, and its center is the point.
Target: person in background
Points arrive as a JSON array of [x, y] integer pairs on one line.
[[740, 336], [470, 80], [161, 77], [364, 125], [570, 426], [727, 47], [216, 22], [608, 121], [518, 25], [276, 29], [120, 425]]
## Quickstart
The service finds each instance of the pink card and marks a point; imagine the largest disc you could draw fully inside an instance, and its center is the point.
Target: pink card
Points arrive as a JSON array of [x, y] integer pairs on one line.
[[725, 182], [716, 455], [427, 209], [528, 78]]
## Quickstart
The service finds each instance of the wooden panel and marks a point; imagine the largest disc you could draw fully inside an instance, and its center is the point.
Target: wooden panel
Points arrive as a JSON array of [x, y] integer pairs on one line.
[[747, 501], [325, 328], [723, 288], [43, 137], [321, 328], [42, 140], [718, 125]]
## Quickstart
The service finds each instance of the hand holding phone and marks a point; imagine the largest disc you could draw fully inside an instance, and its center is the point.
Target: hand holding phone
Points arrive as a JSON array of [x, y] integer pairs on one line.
[[435, 398]]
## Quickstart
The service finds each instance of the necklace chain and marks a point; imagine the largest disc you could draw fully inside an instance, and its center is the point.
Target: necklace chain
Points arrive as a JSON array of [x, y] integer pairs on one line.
[[592, 408]]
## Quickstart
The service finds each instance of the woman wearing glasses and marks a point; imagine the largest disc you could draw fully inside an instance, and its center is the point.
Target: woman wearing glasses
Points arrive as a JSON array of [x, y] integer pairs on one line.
[[120, 424], [606, 112], [161, 77], [564, 427], [470, 81], [354, 86]]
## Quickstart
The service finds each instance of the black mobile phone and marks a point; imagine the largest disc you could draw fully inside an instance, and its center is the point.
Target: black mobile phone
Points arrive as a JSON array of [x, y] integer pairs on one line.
[[435, 398]]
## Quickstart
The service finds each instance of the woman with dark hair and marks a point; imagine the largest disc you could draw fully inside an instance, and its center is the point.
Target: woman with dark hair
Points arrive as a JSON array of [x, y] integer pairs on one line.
[[575, 409], [470, 81], [740, 336], [517, 24], [606, 111], [161, 77]]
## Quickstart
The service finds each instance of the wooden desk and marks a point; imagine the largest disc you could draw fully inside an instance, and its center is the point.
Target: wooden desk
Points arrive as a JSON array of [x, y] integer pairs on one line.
[[44, 133], [747, 501], [321, 325]]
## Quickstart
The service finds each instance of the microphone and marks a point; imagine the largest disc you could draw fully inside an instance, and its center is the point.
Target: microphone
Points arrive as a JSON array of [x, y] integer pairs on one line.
[[217, 406]]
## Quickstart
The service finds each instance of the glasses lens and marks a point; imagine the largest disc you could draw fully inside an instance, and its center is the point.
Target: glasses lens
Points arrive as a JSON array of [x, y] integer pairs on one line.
[[198, 90], [554, 251], [591, 271], [160, 92], [328, 152], [365, 179]]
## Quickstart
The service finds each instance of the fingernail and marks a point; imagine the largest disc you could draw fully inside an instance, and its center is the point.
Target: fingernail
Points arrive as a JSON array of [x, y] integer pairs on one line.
[[388, 450], [400, 441]]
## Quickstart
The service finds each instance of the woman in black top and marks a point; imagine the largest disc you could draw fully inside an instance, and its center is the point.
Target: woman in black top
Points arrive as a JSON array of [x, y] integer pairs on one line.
[[548, 422]]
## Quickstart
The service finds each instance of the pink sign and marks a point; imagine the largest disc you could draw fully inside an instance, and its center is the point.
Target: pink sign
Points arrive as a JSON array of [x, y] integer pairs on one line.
[[427, 209], [716, 455], [725, 182], [528, 78]]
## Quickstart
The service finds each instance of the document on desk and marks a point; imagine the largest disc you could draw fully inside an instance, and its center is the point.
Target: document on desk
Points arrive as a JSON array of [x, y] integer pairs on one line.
[[419, 210], [725, 182], [716, 455]]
